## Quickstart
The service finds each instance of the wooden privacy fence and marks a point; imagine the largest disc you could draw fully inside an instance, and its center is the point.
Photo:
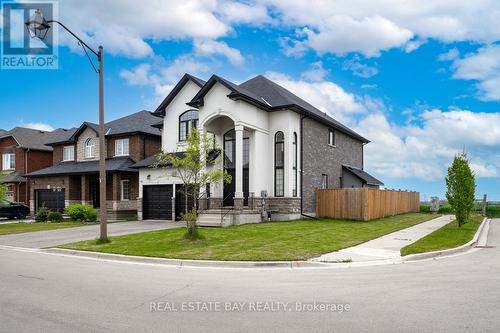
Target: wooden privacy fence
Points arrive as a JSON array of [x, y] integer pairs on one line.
[[365, 203]]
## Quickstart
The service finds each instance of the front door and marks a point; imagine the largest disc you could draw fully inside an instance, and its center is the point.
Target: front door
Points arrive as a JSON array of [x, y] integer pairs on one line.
[[230, 166], [94, 191]]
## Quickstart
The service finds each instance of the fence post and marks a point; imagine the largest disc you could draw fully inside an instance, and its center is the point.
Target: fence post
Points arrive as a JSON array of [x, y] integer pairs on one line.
[[485, 203], [364, 199]]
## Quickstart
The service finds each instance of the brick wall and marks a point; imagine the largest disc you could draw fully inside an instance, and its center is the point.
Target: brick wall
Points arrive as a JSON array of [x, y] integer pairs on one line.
[[140, 146], [80, 146], [321, 158], [58, 153]]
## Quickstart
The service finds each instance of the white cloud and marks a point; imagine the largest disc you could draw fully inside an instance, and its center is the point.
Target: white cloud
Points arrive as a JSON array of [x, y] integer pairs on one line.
[[316, 73], [483, 67], [238, 12], [39, 126], [423, 148], [342, 26], [359, 69], [211, 47], [451, 55], [413, 45], [424, 151], [123, 26], [369, 35], [325, 95], [163, 77]]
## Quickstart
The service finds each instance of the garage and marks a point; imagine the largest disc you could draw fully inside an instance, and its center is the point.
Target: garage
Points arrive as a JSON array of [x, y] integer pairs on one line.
[[52, 200], [157, 202]]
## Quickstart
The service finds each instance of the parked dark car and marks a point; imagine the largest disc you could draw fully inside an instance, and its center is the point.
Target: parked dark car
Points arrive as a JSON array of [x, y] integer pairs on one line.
[[13, 210]]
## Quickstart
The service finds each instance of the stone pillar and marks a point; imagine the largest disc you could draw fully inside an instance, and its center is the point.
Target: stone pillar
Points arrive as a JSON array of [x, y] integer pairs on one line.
[[238, 194], [85, 190], [116, 190]]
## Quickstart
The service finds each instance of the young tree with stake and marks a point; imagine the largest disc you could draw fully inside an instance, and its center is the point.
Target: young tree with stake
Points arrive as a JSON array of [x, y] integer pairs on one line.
[[197, 166]]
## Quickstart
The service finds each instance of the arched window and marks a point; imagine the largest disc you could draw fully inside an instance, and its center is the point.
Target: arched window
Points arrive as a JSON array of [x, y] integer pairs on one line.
[[279, 164], [187, 121], [294, 189], [90, 148]]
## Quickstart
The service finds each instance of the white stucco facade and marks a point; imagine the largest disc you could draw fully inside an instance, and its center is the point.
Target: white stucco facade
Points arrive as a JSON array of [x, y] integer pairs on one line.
[[220, 114]]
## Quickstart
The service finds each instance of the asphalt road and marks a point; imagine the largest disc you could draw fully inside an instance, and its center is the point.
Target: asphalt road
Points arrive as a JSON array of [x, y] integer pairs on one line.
[[50, 293]]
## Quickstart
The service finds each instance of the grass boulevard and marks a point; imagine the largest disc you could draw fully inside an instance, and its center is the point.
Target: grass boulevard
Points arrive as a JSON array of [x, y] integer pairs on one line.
[[294, 240]]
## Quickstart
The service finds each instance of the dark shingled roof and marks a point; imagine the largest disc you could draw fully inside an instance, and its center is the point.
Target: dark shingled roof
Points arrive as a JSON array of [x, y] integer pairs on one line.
[[36, 139], [2, 132], [139, 122], [13, 177], [151, 160], [75, 168], [270, 96], [363, 175]]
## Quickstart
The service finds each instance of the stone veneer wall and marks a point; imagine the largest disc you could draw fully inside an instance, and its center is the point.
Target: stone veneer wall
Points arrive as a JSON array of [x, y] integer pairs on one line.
[[321, 158]]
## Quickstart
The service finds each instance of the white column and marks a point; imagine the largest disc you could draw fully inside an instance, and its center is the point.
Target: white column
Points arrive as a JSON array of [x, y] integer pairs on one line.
[[239, 161]]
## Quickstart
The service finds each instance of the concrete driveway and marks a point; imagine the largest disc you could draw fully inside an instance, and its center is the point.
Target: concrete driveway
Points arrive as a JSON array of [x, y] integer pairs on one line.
[[41, 239]]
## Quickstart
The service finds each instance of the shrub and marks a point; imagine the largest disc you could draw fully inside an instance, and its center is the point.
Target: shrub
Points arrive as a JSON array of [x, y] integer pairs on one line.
[[461, 186], [425, 209], [445, 210], [42, 215], [55, 217], [82, 212]]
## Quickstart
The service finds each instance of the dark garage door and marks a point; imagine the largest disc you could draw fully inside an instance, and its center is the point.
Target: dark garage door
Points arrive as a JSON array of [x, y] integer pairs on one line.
[[157, 202], [52, 200]]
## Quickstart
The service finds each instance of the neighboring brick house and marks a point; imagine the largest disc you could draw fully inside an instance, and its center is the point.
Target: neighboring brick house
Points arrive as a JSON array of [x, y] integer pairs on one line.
[[24, 150], [74, 174], [278, 148]]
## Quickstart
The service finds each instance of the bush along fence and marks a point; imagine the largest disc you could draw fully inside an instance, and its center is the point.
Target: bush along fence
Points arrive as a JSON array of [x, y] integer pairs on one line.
[[365, 203]]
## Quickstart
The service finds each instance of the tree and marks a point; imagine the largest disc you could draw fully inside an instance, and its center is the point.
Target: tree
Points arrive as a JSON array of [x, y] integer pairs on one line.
[[461, 188], [197, 166]]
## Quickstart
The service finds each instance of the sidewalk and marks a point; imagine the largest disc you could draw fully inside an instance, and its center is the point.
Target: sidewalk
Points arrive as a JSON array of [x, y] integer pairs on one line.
[[388, 246]]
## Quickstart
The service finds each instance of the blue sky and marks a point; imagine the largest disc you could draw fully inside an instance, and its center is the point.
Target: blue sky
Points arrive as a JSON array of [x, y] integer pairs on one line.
[[422, 82]]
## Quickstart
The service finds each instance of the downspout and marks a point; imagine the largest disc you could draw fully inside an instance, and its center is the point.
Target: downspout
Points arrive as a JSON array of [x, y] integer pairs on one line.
[[302, 168], [25, 172]]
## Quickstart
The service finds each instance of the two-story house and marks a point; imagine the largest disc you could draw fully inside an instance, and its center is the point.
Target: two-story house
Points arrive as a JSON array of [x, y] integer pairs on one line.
[[278, 148], [24, 150], [74, 174]]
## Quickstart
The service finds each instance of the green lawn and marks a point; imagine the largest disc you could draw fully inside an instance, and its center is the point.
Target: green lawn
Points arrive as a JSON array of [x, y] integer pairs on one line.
[[447, 237], [294, 240], [17, 228]]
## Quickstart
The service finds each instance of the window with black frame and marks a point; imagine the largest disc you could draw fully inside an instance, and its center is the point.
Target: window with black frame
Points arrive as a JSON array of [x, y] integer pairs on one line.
[[187, 121], [279, 164], [294, 189]]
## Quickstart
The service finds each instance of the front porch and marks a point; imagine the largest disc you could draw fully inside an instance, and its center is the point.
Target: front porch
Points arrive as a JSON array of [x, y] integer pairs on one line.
[[58, 192]]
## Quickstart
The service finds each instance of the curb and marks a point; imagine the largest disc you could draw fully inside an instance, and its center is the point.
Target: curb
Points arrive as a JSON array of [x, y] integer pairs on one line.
[[185, 262], [180, 263], [462, 248]]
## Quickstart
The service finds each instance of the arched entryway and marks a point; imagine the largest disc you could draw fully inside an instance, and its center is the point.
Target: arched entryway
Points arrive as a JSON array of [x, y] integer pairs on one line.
[[229, 147]]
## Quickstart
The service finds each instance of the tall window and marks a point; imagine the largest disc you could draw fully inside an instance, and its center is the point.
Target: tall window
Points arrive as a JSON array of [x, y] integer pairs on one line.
[[331, 137], [90, 148], [68, 153], [294, 189], [279, 164], [8, 161], [122, 147], [324, 181], [187, 121], [125, 189]]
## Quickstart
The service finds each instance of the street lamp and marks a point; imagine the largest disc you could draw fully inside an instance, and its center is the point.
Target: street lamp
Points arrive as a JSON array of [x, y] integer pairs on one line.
[[38, 27]]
